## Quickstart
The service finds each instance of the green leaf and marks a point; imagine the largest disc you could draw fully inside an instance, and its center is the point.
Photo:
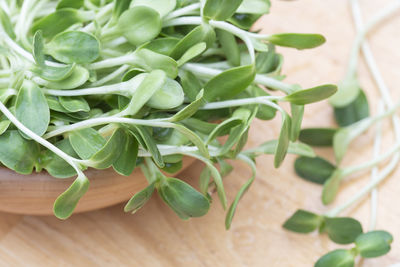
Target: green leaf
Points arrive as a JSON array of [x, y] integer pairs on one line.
[[65, 204], [336, 258], [240, 194], [342, 230], [162, 6], [283, 142], [183, 199], [254, 7], [77, 77], [126, 162], [303, 222], [74, 103], [190, 84], [202, 33], [169, 96], [6, 24], [354, 112], [120, 6], [312, 95], [297, 40], [244, 21], [86, 142], [297, 119], [56, 166], [4, 126], [190, 109], [60, 20], [17, 153], [331, 187], [229, 83], [317, 136], [223, 128], [139, 199], [163, 46], [348, 91], [230, 47], [374, 244], [192, 53], [106, 156], [140, 24], [173, 167], [221, 9], [143, 136], [205, 177], [344, 136], [31, 108], [270, 148], [151, 84], [70, 3], [316, 170], [74, 47], [149, 61]]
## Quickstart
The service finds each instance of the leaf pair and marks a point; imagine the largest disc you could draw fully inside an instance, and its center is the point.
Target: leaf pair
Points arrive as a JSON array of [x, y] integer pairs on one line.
[[368, 245], [183, 199], [341, 230]]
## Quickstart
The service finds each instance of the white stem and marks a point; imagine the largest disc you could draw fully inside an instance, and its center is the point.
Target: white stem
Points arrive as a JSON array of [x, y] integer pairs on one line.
[[241, 102]]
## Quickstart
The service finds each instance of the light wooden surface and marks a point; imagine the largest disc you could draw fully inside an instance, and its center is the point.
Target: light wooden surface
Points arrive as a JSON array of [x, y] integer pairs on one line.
[[156, 237]]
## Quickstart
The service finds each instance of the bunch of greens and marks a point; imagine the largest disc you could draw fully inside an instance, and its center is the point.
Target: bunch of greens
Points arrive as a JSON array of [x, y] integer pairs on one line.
[[135, 83], [351, 111]]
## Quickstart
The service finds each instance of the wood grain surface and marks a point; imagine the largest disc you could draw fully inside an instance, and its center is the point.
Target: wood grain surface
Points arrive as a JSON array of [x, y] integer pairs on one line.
[[156, 237]]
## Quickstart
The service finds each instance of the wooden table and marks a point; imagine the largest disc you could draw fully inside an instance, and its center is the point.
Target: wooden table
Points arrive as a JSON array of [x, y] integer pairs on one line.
[[156, 237]]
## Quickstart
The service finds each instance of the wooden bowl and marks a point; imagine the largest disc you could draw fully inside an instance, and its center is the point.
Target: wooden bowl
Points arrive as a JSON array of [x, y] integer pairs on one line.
[[35, 194]]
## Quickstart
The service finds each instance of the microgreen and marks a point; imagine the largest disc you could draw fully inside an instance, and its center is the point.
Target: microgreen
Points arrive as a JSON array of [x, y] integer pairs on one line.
[[352, 114], [136, 83]]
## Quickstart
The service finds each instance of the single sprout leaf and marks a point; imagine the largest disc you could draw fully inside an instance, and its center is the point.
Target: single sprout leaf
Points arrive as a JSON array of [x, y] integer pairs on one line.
[[139, 199], [331, 187], [74, 47], [316, 170], [111, 151], [348, 90], [254, 7], [221, 9], [374, 244], [70, 3], [169, 96], [190, 109], [67, 201], [353, 112], [230, 46], [183, 199], [312, 95], [337, 258], [192, 53], [240, 194], [126, 162], [60, 20], [297, 119], [74, 103], [229, 83], [161, 6], [297, 40], [303, 221], [31, 108], [283, 142], [18, 153], [140, 24], [202, 33], [342, 230], [317, 136], [56, 166], [86, 142], [76, 77]]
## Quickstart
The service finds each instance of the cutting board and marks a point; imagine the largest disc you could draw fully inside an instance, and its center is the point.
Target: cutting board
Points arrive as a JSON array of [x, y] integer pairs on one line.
[[156, 237]]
